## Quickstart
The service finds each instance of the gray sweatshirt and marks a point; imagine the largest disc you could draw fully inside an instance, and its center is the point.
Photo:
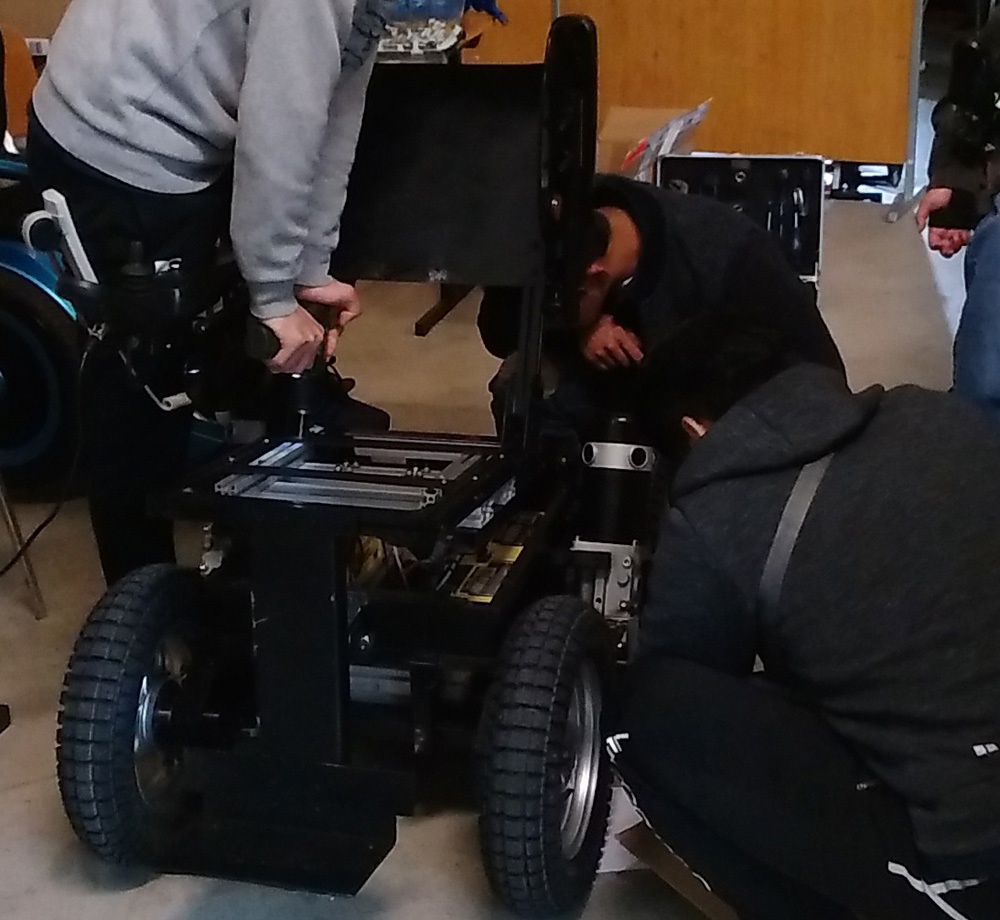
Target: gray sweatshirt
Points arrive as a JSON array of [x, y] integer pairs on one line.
[[166, 95]]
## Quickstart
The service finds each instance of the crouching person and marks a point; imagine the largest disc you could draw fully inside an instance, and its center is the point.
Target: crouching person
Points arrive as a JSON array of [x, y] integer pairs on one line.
[[852, 543]]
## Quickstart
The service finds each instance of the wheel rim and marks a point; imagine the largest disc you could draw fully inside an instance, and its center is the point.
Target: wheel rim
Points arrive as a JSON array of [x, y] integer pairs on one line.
[[30, 400], [582, 778], [157, 766]]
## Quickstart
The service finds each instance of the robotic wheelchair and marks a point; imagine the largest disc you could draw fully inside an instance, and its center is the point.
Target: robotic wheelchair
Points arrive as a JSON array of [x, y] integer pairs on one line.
[[268, 717]]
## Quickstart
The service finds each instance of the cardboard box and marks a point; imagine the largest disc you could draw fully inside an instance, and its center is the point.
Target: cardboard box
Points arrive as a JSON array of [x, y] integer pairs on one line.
[[627, 132], [642, 843], [616, 858], [632, 846]]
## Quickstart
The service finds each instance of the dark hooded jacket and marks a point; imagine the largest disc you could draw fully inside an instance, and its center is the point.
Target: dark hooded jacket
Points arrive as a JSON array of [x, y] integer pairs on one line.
[[698, 257], [889, 618], [973, 174]]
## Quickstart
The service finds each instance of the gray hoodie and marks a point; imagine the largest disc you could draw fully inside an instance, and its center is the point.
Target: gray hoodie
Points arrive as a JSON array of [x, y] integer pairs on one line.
[[888, 620], [166, 95]]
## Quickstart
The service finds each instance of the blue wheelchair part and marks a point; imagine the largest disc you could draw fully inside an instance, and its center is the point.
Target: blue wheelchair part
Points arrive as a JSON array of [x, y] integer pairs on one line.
[[34, 268]]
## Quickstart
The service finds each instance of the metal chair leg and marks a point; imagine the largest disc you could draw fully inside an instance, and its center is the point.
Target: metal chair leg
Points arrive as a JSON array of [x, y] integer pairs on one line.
[[17, 538]]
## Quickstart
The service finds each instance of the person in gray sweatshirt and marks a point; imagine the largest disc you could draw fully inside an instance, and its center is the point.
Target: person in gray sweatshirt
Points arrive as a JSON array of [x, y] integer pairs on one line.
[[175, 125]]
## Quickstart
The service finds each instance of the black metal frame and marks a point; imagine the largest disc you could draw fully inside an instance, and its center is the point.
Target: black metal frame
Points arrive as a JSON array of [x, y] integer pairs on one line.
[[451, 295], [304, 646], [294, 802], [199, 499]]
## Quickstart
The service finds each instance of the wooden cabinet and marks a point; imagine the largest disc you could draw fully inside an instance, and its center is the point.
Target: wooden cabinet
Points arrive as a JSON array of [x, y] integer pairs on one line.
[[521, 41], [826, 77], [35, 18]]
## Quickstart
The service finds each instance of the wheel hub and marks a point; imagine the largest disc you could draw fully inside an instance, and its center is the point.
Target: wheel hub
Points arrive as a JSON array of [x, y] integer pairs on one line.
[[582, 778], [158, 766]]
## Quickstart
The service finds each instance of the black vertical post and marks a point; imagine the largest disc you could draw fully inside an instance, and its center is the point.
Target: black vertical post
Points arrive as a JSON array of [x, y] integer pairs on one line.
[[341, 662], [300, 641], [518, 412]]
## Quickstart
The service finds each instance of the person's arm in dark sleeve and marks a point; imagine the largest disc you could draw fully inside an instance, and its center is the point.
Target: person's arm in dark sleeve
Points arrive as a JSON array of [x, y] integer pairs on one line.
[[693, 610], [761, 283], [953, 167], [955, 163], [950, 165], [499, 320]]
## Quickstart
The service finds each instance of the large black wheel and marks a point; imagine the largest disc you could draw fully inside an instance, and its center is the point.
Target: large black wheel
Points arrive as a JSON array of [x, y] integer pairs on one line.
[[546, 775], [40, 352], [120, 785]]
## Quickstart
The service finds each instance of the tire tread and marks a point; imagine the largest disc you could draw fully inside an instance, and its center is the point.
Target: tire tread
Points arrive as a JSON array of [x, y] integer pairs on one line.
[[520, 821], [96, 720]]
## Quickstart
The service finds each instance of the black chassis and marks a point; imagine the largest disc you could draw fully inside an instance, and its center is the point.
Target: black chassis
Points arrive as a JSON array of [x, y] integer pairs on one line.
[[299, 785]]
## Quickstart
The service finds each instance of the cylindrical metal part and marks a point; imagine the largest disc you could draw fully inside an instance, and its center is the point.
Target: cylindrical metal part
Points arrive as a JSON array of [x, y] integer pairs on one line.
[[617, 485], [292, 401]]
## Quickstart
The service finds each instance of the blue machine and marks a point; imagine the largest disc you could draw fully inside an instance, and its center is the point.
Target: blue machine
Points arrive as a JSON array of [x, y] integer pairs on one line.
[[39, 350]]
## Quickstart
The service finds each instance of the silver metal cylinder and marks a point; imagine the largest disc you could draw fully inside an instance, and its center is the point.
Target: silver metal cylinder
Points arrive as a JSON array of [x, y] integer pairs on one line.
[[627, 458]]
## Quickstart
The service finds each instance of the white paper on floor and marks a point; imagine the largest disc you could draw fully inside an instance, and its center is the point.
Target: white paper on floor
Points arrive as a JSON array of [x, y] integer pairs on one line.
[[623, 816]]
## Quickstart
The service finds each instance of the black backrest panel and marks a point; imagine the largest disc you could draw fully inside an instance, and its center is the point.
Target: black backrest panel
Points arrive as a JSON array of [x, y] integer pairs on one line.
[[446, 180]]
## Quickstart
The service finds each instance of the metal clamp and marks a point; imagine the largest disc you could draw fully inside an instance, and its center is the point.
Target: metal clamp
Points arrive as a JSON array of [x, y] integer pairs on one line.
[[616, 588], [628, 458]]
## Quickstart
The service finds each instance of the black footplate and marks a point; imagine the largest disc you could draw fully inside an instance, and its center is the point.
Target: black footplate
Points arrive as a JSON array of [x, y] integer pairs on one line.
[[316, 828]]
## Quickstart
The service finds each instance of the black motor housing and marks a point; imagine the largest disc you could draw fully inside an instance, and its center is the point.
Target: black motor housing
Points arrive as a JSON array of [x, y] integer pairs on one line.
[[617, 485]]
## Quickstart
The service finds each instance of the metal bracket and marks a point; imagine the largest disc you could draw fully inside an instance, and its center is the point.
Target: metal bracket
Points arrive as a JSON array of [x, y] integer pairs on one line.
[[616, 587], [58, 210], [169, 403], [214, 550], [395, 476], [487, 511]]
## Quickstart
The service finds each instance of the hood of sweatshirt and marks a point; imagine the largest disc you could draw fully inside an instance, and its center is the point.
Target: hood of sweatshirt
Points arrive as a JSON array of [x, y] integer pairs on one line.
[[800, 416]]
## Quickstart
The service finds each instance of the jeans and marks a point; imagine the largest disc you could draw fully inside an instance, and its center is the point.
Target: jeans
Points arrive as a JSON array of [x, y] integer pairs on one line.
[[977, 344]]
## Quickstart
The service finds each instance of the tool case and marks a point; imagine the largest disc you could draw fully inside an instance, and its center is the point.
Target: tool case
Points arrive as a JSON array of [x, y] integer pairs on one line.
[[784, 194]]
